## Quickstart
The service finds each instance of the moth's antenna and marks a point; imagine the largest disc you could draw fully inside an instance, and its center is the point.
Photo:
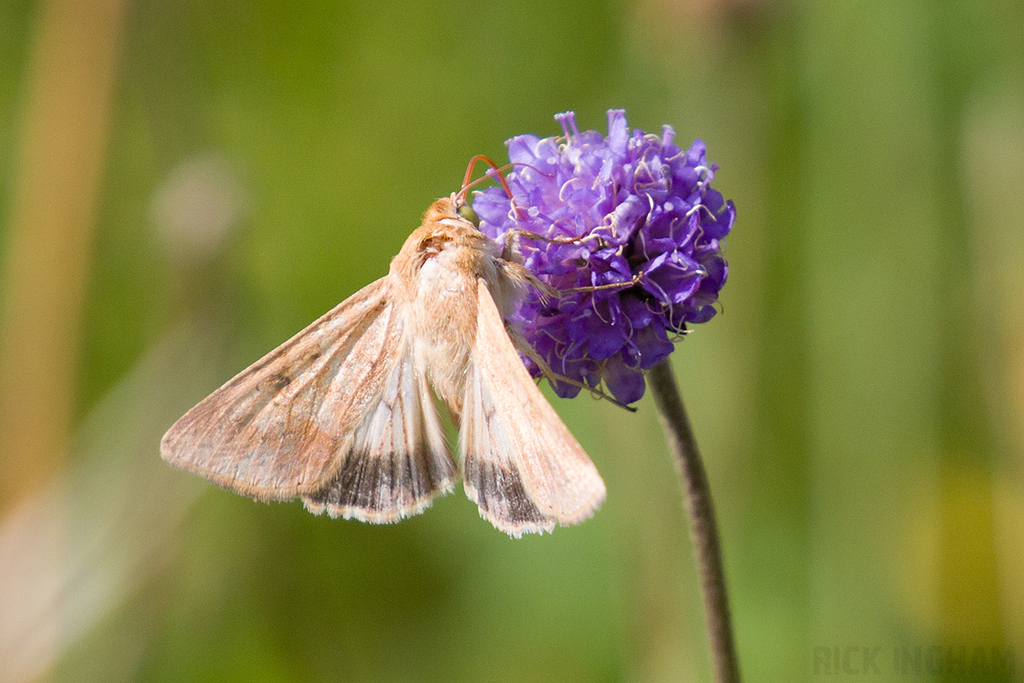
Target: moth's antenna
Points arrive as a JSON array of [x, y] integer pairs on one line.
[[497, 171]]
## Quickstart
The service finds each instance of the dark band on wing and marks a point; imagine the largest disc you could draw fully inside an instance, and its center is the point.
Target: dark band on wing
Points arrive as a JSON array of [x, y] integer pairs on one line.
[[382, 488], [502, 498]]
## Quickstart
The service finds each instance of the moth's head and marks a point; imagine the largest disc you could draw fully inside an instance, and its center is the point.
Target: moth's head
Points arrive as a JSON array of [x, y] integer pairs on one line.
[[451, 207]]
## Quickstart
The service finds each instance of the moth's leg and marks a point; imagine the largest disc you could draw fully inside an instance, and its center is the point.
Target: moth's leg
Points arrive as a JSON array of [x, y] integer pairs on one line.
[[594, 288], [509, 250], [527, 349], [510, 254]]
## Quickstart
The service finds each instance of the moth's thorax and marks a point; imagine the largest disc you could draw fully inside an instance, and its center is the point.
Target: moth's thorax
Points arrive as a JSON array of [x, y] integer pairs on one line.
[[434, 277]]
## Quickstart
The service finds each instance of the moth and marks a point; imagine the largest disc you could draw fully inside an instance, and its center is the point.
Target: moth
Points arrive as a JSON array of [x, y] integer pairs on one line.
[[343, 416]]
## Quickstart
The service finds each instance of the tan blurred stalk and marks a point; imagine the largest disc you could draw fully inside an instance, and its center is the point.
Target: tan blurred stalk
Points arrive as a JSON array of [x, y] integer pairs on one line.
[[59, 167], [60, 164]]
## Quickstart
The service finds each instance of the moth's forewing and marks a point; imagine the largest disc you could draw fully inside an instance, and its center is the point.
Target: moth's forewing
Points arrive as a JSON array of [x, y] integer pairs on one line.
[[284, 426], [521, 465], [398, 459]]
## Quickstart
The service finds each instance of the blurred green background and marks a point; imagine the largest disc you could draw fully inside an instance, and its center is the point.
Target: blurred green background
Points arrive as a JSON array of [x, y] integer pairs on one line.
[[185, 184]]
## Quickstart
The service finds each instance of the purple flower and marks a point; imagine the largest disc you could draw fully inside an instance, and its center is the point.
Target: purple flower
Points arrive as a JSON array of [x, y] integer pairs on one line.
[[631, 211]]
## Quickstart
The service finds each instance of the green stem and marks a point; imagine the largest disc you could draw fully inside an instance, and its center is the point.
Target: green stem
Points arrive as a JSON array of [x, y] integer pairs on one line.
[[697, 493]]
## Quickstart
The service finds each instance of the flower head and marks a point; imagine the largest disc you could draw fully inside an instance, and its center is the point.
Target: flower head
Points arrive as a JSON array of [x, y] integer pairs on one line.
[[630, 213]]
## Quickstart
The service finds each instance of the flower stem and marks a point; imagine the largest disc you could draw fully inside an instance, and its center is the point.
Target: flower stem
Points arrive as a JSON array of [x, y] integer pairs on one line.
[[697, 493]]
